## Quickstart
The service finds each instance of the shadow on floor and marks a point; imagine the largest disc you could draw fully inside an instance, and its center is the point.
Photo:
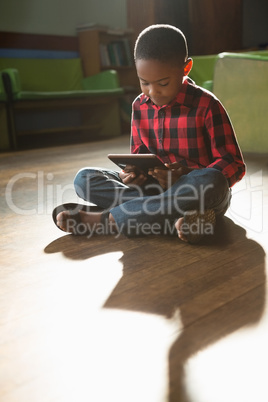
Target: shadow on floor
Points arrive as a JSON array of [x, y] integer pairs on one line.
[[217, 286]]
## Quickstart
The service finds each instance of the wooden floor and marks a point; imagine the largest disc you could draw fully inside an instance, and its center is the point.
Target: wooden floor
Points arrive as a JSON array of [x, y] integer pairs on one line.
[[128, 320]]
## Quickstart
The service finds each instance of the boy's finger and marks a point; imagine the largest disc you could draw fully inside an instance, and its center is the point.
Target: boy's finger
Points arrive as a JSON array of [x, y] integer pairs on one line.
[[173, 166], [129, 178]]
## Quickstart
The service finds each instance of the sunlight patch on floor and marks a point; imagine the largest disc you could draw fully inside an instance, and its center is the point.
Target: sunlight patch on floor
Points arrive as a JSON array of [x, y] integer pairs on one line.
[[250, 193], [120, 355], [94, 353], [226, 370]]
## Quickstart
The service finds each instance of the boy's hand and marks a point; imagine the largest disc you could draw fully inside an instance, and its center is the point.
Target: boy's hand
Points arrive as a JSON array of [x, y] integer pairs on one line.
[[167, 177], [131, 175]]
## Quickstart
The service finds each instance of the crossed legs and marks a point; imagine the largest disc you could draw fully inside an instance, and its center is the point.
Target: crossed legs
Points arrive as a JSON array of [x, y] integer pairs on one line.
[[133, 211]]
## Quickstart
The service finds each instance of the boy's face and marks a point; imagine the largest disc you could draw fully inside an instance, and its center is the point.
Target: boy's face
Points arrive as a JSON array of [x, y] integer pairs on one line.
[[161, 82]]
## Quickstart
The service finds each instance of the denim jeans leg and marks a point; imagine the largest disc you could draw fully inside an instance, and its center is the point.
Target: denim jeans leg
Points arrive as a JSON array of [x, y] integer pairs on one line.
[[199, 190], [103, 187]]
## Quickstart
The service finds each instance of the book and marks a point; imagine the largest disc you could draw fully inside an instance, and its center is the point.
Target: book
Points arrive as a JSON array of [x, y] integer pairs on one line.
[[116, 53], [129, 55], [104, 56]]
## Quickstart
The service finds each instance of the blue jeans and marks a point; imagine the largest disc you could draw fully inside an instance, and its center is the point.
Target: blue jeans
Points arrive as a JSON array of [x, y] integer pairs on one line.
[[150, 209]]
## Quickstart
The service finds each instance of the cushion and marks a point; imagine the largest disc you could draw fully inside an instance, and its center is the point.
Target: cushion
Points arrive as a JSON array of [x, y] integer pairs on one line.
[[241, 82], [46, 74]]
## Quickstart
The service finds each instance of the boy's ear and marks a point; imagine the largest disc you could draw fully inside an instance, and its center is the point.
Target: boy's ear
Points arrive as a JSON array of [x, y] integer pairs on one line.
[[188, 66]]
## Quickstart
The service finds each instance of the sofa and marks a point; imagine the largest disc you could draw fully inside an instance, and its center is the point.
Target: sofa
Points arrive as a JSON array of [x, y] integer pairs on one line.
[[240, 81], [203, 70], [52, 96]]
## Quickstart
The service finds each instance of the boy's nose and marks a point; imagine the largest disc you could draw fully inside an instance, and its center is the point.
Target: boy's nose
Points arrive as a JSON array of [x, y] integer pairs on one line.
[[153, 90]]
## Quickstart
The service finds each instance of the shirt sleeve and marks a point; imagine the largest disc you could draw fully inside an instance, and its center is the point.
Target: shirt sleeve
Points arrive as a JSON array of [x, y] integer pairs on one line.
[[226, 154]]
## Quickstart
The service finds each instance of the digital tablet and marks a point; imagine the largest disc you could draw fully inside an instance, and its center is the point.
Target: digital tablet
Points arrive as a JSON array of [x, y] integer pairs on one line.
[[141, 161]]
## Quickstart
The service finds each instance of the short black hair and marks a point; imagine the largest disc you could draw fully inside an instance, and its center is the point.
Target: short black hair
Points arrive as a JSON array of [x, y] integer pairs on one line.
[[162, 42]]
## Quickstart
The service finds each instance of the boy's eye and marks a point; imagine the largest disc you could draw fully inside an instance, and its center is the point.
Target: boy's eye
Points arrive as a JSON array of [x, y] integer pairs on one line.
[[145, 84]]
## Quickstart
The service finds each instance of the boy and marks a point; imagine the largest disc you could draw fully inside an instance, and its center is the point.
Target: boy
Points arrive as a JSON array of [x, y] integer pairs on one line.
[[190, 132]]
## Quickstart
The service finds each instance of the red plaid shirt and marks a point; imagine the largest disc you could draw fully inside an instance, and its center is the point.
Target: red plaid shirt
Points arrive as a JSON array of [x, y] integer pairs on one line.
[[194, 129]]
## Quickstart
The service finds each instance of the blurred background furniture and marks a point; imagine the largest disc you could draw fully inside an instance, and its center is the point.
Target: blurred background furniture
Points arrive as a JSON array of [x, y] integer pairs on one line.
[[4, 140], [47, 95], [56, 98], [240, 81]]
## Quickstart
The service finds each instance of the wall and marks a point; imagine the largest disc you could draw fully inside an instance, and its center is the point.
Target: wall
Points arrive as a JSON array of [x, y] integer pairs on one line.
[[59, 17], [255, 15]]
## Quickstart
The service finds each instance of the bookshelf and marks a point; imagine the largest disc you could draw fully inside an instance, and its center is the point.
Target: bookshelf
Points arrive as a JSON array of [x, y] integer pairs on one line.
[[102, 49]]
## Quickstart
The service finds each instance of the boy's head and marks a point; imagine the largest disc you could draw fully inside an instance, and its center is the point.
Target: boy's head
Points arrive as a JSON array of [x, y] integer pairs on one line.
[[164, 43], [161, 58]]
